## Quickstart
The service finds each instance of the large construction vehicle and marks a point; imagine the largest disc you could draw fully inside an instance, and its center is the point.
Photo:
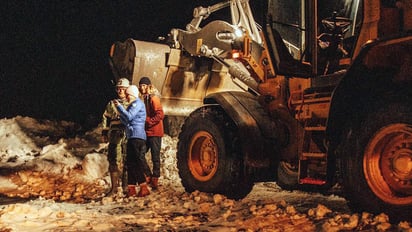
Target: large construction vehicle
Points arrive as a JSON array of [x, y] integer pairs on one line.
[[319, 92]]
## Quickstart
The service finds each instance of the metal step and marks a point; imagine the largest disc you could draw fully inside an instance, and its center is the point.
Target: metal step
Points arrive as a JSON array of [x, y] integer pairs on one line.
[[313, 181], [315, 128], [316, 155]]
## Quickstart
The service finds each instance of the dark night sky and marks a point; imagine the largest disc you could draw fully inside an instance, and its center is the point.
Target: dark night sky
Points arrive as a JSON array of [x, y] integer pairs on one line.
[[54, 54]]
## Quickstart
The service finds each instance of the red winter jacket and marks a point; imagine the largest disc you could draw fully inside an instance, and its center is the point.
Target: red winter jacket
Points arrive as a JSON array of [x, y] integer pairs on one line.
[[154, 115]]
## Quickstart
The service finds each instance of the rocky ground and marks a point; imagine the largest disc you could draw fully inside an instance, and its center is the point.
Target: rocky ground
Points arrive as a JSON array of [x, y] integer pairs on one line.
[[266, 208], [53, 182]]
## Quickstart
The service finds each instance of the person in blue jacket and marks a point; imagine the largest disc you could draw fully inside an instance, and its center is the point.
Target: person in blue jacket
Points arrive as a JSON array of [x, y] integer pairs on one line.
[[134, 117]]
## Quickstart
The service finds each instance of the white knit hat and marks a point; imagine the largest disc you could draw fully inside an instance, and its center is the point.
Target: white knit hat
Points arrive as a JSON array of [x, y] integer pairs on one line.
[[133, 90]]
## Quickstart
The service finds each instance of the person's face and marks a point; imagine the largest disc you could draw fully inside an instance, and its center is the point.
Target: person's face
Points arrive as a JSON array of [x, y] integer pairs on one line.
[[130, 98], [121, 92], [143, 88]]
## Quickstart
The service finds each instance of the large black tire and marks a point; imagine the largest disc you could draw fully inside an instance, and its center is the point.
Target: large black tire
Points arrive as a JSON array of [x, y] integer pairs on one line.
[[376, 162], [288, 175], [209, 156]]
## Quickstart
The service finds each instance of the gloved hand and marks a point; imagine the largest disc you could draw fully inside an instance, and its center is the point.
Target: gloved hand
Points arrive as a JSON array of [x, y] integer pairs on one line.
[[115, 102]]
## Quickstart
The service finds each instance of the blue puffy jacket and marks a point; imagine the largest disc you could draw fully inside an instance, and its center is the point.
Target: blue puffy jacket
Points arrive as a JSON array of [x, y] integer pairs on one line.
[[134, 118]]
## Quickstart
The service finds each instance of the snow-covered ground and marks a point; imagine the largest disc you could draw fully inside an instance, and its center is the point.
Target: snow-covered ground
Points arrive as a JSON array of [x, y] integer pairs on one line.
[[54, 178]]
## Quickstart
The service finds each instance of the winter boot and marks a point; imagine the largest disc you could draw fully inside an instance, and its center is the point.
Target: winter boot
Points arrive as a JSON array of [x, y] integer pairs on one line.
[[132, 190], [144, 190], [154, 183], [148, 179], [114, 178]]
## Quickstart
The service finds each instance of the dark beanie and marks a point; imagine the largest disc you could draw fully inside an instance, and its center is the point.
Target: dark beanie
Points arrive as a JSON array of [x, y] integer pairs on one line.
[[145, 80]]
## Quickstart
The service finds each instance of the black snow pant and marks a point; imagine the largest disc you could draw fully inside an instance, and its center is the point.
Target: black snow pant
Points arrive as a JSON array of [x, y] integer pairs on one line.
[[135, 148], [153, 143]]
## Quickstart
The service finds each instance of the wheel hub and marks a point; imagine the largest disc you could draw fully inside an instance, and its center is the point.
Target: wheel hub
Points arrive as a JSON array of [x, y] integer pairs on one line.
[[402, 167], [207, 155]]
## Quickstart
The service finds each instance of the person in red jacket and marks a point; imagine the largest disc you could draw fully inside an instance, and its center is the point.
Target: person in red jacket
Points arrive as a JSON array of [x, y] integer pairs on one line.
[[154, 129]]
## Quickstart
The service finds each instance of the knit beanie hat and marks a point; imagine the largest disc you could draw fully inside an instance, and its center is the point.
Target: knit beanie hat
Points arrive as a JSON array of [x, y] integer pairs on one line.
[[133, 90], [145, 80]]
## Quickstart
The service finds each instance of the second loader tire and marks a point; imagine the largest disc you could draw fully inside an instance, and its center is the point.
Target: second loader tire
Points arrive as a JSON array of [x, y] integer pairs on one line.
[[209, 157], [287, 175], [377, 160]]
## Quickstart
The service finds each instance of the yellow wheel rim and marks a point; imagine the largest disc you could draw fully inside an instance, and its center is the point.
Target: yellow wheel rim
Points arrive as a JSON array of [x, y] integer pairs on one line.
[[203, 156], [388, 164]]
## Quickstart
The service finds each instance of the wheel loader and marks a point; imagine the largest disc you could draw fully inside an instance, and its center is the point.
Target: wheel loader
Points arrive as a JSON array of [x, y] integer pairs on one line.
[[308, 93]]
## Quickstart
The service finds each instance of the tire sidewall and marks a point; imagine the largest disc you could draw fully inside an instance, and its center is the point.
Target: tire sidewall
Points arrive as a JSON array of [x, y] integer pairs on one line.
[[287, 178]]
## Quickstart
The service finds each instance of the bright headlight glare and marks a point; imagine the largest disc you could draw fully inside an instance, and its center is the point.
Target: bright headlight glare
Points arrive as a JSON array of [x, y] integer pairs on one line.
[[238, 33], [235, 54]]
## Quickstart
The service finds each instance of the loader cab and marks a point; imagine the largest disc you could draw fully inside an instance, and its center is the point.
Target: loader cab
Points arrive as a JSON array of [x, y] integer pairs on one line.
[[319, 35]]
